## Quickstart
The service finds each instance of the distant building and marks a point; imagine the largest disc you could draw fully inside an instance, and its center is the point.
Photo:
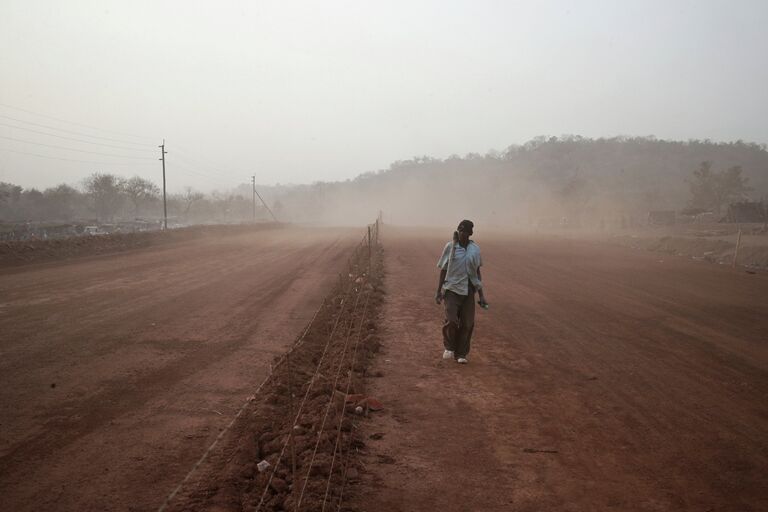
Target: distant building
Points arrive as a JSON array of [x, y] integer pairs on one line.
[[661, 218], [746, 211]]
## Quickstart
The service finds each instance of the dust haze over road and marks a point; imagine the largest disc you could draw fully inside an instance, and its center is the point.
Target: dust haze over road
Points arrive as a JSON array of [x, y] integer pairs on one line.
[[601, 379], [119, 370]]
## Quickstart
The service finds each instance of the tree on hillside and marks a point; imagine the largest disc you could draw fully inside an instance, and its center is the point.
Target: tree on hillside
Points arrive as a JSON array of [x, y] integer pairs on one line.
[[711, 190], [731, 186], [139, 191], [574, 195], [702, 186], [106, 192]]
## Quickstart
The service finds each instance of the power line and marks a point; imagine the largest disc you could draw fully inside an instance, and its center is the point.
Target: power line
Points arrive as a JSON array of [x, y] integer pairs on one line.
[[194, 171], [73, 123], [190, 172], [191, 163], [71, 138], [182, 168], [78, 150], [209, 163], [143, 144], [189, 160], [199, 157], [72, 159]]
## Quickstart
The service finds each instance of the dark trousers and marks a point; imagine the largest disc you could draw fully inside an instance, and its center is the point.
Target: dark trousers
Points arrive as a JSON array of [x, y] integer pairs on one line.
[[459, 321]]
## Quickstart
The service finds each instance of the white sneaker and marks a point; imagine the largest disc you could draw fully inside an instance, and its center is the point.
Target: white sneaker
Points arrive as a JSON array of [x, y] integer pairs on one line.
[[462, 360], [447, 354]]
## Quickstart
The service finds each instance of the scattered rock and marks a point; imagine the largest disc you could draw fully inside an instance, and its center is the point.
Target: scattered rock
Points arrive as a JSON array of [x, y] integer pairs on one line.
[[373, 404], [271, 447], [266, 437], [279, 485]]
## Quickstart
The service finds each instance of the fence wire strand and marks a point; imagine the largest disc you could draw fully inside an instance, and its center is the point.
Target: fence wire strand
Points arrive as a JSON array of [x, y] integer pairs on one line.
[[354, 264]]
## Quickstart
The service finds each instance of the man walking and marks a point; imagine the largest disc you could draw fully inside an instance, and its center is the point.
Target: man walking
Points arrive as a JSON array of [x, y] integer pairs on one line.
[[459, 278]]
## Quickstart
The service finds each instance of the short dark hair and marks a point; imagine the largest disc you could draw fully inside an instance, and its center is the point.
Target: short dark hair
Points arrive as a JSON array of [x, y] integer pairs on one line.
[[466, 225]]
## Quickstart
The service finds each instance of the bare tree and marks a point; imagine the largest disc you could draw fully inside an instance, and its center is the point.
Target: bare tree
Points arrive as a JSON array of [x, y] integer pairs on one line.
[[139, 191], [106, 192], [190, 197], [61, 202]]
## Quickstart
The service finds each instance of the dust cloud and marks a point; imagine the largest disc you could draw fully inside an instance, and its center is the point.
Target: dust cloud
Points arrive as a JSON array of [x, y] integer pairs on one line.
[[550, 182]]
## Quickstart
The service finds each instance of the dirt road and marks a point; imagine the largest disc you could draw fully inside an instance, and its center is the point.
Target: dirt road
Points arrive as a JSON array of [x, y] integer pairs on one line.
[[118, 371], [602, 378]]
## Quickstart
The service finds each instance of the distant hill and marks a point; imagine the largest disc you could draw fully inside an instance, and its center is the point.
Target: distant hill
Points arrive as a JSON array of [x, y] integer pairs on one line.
[[546, 181], [587, 180]]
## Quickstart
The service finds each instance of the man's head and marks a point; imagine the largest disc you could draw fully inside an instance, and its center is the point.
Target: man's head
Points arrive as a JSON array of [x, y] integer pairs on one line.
[[465, 230]]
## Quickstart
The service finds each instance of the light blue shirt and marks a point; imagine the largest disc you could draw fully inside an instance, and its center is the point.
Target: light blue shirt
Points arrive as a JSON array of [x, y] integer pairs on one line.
[[461, 267]]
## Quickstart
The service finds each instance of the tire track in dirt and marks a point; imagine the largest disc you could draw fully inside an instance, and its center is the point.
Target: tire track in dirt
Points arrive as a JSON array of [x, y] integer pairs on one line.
[[135, 403]]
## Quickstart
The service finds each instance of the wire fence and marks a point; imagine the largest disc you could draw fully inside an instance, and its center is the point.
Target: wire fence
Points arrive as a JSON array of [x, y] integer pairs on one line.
[[354, 300], [360, 268]]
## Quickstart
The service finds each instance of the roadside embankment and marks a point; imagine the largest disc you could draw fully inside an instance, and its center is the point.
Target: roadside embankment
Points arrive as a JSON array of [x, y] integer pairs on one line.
[[14, 253], [753, 251]]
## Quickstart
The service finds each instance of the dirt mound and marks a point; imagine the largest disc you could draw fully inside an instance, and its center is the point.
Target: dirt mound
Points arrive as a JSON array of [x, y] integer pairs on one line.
[[295, 446], [715, 250], [15, 253]]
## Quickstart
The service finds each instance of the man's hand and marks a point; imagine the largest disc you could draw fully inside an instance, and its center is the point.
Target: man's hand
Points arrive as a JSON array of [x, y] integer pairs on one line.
[[439, 296], [482, 302]]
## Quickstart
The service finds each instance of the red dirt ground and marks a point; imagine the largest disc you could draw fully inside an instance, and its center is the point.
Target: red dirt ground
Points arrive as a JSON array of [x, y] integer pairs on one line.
[[119, 371], [38, 251], [309, 442], [601, 378]]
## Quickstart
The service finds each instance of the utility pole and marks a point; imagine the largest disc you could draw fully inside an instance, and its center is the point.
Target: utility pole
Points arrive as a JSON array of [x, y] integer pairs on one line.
[[253, 183], [165, 205]]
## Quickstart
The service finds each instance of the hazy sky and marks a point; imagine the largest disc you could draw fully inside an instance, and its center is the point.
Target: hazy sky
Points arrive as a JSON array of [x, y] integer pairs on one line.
[[302, 91]]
